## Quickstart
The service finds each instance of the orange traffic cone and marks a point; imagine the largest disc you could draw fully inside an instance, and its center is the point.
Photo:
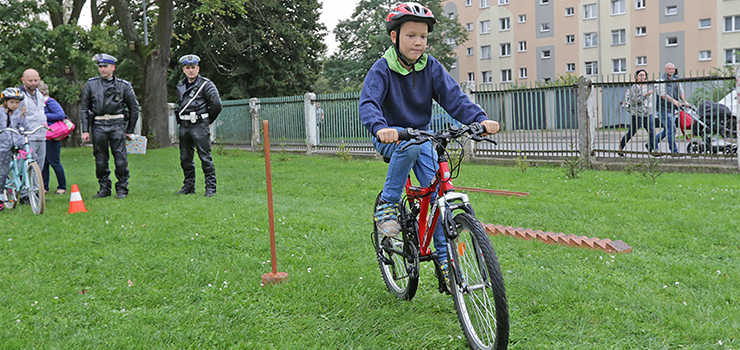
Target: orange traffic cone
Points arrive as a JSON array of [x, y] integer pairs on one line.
[[75, 201]]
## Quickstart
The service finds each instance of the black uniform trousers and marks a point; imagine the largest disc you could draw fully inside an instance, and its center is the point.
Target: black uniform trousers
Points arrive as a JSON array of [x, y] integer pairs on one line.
[[196, 137], [110, 134]]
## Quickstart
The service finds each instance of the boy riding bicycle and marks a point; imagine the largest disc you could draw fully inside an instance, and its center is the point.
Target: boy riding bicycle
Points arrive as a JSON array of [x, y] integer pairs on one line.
[[397, 94], [11, 116]]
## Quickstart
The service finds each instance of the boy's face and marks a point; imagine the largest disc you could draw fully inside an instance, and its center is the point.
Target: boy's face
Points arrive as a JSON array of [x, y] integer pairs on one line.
[[13, 104], [412, 40]]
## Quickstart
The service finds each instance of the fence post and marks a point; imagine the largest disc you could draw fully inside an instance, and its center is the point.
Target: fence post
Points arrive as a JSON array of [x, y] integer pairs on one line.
[[254, 110], [171, 122], [309, 109], [468, 87], [586, 119]]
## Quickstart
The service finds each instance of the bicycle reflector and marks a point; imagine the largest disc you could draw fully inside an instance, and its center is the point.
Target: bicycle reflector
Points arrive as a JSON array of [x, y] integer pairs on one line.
[[461, 249]]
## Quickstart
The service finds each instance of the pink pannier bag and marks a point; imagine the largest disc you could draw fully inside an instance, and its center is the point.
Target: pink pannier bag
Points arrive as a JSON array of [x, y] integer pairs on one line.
[[60, 130]]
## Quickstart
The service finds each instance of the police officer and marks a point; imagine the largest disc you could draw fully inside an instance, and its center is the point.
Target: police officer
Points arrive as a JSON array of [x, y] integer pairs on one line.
[[105, 100], [199, 105]]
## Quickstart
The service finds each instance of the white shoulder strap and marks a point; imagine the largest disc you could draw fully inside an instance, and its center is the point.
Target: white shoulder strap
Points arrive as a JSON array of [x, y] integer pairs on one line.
[[194, 96]]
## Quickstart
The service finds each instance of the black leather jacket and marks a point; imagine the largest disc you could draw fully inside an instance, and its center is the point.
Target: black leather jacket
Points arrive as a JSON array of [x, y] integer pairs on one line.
[[101, 97], [207, 101]]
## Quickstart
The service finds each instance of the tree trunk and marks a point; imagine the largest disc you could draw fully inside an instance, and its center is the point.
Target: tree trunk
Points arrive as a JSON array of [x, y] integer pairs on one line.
[[154, 111]]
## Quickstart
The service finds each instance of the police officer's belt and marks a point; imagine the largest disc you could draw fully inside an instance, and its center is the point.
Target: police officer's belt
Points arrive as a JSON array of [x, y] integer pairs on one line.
[[193, 117], [108, 116]]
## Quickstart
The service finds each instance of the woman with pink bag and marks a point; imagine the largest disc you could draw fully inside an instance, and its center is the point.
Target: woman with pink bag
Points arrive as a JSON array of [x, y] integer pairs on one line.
[[54, 113]]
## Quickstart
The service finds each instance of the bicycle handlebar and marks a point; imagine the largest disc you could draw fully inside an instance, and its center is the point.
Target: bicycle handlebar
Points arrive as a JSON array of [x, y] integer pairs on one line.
[[417, 137], [24, 133]]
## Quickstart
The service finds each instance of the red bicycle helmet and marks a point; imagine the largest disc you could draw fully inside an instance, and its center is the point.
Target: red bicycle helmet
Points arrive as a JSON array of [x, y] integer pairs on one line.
[[409, 11]]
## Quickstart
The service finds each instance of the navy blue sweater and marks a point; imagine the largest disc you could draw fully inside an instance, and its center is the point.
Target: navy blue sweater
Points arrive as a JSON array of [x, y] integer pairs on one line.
[[390, 98]]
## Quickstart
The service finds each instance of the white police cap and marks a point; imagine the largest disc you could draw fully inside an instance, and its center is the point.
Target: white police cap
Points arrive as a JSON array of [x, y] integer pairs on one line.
[[104, 59], [189, 60]]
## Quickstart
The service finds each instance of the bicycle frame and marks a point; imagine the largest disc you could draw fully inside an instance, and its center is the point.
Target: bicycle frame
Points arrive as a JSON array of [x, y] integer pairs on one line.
[[442, 207], [19, 181]]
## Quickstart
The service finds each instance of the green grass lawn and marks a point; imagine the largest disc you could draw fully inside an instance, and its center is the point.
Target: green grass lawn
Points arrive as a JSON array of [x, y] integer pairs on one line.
[[194, 263]]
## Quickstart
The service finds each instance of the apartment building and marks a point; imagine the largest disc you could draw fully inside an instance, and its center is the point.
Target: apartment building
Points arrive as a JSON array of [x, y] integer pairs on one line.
[[537, 40]]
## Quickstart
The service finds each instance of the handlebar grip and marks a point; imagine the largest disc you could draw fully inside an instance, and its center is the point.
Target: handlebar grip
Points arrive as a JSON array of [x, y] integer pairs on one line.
[[404, 135]]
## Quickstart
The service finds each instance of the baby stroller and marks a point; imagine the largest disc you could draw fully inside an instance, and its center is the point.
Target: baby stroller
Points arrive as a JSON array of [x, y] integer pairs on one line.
[[712, 122]]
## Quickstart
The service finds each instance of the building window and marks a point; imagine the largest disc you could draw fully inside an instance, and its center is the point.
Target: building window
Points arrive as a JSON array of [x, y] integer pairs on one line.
[[505, 50], [450, 41], [485, 3], [522, 46], [705, 23], [545, 27], [468, 2], [570, 67], [592, 68], [485, 27], [506, 75], [545, 54], [732, 23], [617, 7], [522, 18], [453, 65], [503, 2], [640, 31], [469, 26], [731, 56], [641, 61], [487, 77], [671, 41], [618, 37], [523, 73], [619, 65], [470, 51], [639, 4], [544, 2], [589, 11], [570, 39], [671, 10], [504, 24], [485, 52], [570, 11], [705, 55], [471, 76], [451, 15], [590, 40]]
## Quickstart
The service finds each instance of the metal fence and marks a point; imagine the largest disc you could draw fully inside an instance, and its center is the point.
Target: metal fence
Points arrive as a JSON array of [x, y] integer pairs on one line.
[[540, 122]]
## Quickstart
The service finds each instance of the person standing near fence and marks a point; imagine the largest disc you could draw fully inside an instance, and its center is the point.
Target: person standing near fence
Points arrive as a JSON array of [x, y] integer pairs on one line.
[[104, 101], [669, 97], [639, 104], [319, 121], [198, 106]]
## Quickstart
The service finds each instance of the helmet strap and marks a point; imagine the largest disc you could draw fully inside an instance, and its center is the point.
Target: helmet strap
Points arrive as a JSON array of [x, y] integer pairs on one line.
[[398, 50]]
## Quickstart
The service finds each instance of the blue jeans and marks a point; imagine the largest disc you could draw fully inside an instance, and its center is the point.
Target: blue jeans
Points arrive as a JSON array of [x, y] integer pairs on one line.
[[53, 153], [423, 160], [648, 123], [669, 131]]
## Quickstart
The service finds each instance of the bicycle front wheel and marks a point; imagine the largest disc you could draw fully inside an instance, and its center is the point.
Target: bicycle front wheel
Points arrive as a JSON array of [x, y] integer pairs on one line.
[[36, 193], [479, 294], [399, 264]]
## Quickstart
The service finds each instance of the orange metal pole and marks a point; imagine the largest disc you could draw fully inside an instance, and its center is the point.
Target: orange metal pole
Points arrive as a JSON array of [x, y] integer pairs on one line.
[[269, 197]]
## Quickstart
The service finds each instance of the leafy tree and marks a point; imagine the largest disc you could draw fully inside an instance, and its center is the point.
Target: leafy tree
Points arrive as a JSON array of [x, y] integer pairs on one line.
[[252, 48], [363, 39]]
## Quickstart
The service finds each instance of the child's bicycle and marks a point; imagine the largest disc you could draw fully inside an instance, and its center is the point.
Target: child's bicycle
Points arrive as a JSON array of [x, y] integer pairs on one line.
[[24, 177], [475, 275]]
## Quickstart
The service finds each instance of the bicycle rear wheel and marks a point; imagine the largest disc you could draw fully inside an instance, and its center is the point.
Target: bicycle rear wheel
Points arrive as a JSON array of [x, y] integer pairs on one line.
[[480, 296], [36, 194], [399, 264], [10, 200]]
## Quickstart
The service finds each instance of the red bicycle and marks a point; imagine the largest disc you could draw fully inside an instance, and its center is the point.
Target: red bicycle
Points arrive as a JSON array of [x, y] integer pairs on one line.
[[475, 275]]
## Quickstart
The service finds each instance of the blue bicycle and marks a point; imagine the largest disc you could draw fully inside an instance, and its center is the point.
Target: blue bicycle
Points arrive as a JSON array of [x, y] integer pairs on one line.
[[25, 178]]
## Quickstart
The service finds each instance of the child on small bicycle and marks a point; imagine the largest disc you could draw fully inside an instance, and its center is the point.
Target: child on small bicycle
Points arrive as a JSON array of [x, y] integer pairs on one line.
[[398, 93], [11, 116]]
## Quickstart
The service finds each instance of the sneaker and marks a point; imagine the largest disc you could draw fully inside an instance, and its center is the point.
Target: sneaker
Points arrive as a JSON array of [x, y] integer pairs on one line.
[[445, 273], [61, 191], [386, 219], [209, 193], [121, 195]]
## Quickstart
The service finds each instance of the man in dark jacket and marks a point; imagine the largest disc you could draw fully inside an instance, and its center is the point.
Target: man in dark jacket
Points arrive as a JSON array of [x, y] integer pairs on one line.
[[199, 105], [105, 101]]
